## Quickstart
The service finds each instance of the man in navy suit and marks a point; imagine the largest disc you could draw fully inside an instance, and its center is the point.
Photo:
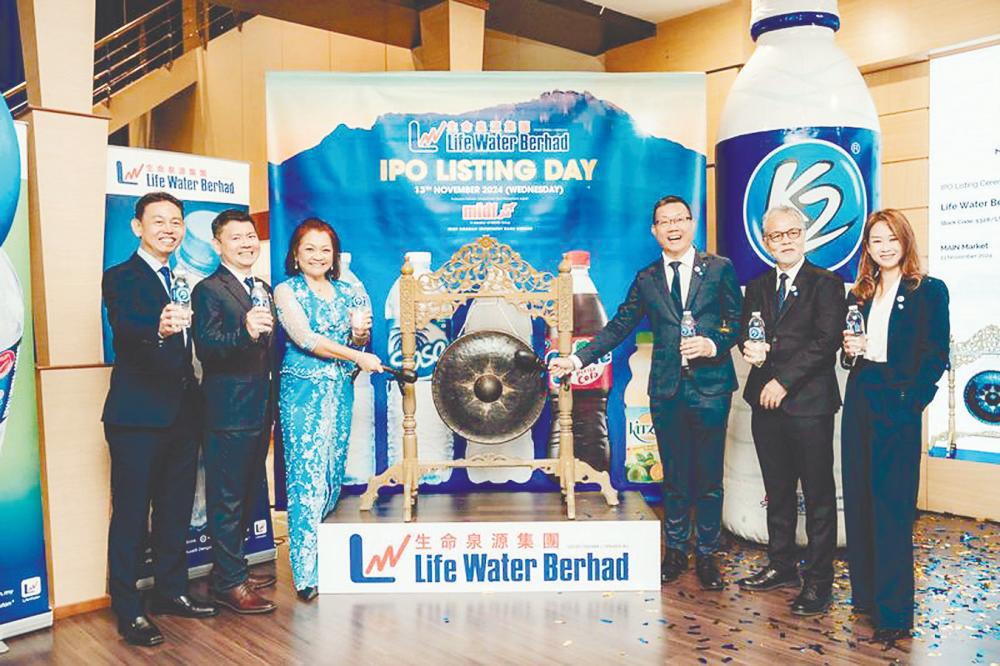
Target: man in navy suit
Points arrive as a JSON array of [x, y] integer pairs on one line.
[[793, 392], [691, 381], [235, 346], [152, 421]]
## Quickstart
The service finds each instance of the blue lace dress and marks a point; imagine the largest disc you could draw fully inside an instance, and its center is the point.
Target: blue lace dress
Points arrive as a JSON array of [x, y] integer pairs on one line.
[[315, 402]]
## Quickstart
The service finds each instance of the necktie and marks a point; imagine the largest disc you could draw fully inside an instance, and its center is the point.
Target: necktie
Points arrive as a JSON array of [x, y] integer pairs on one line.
[[165, 272], [783, 279], [675, 286], [249, 283]]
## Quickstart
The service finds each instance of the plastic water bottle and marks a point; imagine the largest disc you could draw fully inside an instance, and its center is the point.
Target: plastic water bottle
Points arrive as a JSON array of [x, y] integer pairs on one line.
[[756, 334], [591, 384], [642, 455], [799, 129], [180, 290], [11, 331], [435, 440], [196, 256], [855, 324], [259, 296], [689, 329], [361, 446]]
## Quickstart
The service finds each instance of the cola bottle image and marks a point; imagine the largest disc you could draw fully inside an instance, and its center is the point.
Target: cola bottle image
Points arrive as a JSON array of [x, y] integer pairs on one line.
[[591, 384]]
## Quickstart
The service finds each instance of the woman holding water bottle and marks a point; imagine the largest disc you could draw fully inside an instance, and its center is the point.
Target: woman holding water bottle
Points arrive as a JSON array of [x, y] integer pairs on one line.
[[328, 325], [896, 359]]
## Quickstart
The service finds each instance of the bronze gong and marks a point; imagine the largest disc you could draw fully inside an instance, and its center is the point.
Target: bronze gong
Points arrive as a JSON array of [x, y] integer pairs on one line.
[[482, 394]]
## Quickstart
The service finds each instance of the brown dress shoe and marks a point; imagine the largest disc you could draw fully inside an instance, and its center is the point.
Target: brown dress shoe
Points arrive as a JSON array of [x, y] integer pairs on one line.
[[243, 599], [261, 580]]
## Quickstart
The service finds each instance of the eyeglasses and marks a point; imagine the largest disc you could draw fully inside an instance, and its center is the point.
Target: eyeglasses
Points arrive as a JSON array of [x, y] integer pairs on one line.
[[674, 222], [778, 236]]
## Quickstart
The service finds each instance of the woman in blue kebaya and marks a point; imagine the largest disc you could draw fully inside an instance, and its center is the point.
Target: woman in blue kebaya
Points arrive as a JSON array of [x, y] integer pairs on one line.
[[316, 396], [895, 366]]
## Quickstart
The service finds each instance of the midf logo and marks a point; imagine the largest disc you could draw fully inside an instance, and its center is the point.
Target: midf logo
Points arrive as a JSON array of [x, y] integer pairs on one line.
[[425, 142], [361, 573], [825, 184], [130, 177]]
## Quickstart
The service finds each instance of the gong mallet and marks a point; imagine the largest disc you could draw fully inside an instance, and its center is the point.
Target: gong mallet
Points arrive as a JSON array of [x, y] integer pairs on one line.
[[402, 376], [526, 361]]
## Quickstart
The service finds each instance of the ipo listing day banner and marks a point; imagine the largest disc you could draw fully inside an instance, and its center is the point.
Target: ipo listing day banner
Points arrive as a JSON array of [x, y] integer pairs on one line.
[[206, 186], [548, 163], [372, 558], [964, 246], [24, 596]]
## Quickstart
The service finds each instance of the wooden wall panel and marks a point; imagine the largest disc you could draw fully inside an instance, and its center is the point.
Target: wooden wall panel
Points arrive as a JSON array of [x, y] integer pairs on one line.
[[905, 135], [900, 88], [221, 88], [505, 52], [717, 86], [78, 487], [904, 184]]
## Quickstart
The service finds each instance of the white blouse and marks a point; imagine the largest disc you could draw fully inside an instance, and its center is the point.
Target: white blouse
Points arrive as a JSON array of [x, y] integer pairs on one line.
[[877, 326]]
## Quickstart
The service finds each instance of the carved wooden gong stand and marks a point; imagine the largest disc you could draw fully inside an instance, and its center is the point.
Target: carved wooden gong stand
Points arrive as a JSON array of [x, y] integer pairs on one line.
[[486, 268]]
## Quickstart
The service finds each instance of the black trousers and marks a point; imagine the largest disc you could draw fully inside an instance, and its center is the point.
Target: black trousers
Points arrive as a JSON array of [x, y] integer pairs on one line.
[[881, 464], [691, 435], [158, 467], [792, 449], [234, 476]]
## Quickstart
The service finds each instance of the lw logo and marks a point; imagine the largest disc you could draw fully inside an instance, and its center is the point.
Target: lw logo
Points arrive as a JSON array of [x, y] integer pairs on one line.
[[822, 181], [31, 587], [130, 177], [425, 142], [361, 573]]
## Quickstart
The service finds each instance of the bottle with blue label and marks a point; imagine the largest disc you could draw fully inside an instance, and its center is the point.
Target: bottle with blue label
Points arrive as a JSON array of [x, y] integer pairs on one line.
[[196, 256], [435, 441], [361, 446], [799, 128]]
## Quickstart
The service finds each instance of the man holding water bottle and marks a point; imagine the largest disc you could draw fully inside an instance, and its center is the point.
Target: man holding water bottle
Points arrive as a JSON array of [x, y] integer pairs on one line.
[[152, 421], [793, 316], [233, 336]]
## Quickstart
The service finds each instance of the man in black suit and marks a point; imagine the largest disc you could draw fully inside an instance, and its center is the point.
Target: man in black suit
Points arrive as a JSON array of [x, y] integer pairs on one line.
[[152, 424], [792, 389], [691, 381], [234, 344]]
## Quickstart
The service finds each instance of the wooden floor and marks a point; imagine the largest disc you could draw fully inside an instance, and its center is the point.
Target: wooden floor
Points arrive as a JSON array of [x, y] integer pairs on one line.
[[958, 617]]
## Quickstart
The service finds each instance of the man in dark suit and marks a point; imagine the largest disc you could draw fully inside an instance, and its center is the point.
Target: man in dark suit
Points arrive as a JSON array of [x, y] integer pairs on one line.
[[152, 424], [792, 389], [234, 344], [691, 381]]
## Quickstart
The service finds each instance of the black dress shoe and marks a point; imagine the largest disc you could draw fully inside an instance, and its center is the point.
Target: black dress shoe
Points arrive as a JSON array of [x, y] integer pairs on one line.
[[708, 573], [770, 578], [182, 606], [674, 563], [307, 593], [888, 637], [814, 599], [140, 631]]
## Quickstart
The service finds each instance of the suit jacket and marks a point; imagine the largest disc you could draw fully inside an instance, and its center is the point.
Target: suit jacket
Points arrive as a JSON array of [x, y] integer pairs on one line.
[[714, 300], [150, 376], [918, 340], [804, 338], [236, 369]]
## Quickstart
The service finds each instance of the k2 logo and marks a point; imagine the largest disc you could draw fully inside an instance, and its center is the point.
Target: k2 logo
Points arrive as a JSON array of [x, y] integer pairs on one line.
[[821, 180]]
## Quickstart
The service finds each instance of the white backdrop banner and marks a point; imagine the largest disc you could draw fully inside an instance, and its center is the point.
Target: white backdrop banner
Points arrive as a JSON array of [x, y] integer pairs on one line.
[[964, 247]]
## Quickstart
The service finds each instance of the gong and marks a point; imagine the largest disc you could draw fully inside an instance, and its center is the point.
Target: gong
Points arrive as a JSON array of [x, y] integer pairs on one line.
[[482, 393]]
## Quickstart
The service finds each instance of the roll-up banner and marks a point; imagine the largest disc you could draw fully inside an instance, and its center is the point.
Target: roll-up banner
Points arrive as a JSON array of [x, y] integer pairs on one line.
[[964, 249], [544, 162], [24, 589], [206, 186]]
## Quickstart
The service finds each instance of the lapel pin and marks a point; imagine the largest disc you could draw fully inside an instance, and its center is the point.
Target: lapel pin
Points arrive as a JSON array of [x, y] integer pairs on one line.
[[900, 299], [698, 269], [794, 290], [899, 305]]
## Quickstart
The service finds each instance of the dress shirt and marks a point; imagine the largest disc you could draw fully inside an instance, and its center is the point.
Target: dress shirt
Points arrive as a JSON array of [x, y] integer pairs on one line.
[[877, 326]]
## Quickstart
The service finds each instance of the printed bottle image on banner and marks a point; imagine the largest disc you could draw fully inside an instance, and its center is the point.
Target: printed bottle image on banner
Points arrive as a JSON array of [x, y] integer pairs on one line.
[[799, 129]]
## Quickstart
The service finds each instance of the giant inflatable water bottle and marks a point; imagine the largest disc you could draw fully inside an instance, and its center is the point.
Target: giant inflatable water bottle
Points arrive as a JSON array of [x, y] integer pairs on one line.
[[361, 447], [434, 440], [799, 128], [11, 295]]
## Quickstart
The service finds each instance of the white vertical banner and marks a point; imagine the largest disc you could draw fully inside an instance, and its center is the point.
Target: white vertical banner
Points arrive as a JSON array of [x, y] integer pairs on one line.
[[964, 250]]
